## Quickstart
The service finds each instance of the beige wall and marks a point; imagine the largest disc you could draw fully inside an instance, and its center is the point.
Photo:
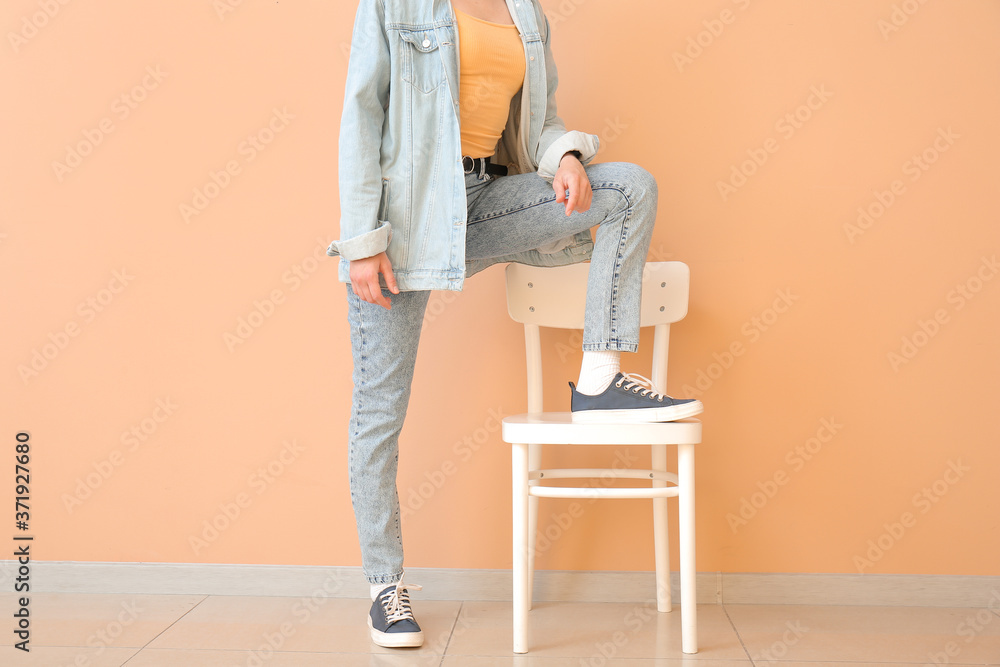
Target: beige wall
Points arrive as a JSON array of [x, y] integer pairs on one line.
[[133, 305]]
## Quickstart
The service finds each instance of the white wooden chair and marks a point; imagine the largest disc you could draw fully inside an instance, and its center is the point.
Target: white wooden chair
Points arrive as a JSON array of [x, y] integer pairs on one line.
[[555, 297]]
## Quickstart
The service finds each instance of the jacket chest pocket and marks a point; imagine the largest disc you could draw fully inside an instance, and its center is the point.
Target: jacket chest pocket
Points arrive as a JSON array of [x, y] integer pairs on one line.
[[423, 64]]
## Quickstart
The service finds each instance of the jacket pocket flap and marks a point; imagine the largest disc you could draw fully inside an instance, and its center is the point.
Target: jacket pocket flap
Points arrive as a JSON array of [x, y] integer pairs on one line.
[[422, 40]]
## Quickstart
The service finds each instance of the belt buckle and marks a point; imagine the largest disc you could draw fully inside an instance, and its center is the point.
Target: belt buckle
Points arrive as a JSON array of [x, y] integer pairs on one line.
[[468, 164]]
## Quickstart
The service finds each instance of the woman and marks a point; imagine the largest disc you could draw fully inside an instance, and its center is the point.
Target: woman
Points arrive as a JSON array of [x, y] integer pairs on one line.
[[452, 158]]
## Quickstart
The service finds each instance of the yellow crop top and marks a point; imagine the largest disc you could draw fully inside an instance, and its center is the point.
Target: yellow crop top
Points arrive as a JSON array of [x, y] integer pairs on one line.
[[491, 72]]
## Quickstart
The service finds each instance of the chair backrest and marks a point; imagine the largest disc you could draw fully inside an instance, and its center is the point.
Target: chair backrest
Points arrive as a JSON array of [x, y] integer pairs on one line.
[[556, 297]]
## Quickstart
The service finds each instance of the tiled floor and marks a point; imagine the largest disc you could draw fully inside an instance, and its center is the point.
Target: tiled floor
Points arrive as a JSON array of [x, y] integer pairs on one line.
[[153, 630]]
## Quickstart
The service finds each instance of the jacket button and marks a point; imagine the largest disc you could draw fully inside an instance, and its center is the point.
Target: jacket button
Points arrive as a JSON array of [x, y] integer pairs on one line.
[[427, 43]]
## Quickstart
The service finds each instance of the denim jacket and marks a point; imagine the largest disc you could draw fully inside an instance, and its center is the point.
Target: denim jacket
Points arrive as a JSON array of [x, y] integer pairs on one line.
[[402, 184]]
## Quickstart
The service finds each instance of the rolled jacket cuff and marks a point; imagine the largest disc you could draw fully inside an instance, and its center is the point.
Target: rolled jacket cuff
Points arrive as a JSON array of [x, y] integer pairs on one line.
[[574, 140], [364, 245]]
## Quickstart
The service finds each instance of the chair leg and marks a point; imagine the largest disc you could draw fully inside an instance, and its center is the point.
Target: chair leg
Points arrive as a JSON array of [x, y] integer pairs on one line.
[[532, 543], [519, 475], [534, 463], [689, 610], [661, 534]]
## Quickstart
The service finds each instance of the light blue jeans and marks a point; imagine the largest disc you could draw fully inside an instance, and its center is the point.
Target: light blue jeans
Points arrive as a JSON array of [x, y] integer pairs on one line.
[[506, 214]]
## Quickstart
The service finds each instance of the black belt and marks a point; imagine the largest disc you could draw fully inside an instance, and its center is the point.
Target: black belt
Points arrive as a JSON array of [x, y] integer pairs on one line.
[[482, 166]]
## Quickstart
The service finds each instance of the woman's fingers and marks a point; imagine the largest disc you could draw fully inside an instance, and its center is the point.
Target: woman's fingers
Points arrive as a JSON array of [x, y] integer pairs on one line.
[[562, 182], [580, 193], [390, 277], [559, 185], [574, 195], [364, 279], [379, 298], [574, 179], [586, 196]]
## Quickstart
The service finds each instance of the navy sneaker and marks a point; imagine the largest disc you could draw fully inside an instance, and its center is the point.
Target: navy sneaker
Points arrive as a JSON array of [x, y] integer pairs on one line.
[[390, 619], [630, 398]]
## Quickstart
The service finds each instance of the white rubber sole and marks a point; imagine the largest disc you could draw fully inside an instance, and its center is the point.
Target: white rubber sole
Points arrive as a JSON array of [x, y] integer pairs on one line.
[[638, 415], [395, 639]]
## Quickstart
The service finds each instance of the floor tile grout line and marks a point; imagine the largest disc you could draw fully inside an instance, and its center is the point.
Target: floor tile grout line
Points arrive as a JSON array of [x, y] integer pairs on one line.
[[738, 636], [137, 651], [845, 663], [444, 656], [444, 650], [153, 638]]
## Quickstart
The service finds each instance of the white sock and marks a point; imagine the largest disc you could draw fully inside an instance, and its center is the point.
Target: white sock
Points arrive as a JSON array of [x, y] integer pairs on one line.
[[598, 370], [378, 588]]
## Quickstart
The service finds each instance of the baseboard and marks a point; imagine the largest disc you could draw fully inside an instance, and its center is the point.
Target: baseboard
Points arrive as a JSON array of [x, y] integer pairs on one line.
[[467, 584]]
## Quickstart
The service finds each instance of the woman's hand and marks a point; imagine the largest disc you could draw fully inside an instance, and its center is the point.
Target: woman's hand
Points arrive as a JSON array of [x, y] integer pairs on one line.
[[573, 177], [364, 279]]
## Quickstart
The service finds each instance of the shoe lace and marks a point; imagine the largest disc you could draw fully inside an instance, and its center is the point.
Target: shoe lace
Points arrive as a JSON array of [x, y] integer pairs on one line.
[[641, 385], [396, 603]]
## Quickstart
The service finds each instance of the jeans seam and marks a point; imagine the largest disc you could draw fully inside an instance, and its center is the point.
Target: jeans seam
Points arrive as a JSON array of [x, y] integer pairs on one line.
[[612, 338], [500, 214], [616, 278], [362, 374]]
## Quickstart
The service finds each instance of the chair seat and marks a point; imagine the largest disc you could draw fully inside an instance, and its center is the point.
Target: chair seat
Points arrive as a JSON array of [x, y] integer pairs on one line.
[[558, 428]]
